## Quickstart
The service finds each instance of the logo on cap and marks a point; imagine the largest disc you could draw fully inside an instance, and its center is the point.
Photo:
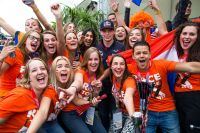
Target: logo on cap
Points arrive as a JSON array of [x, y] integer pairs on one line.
[[107, 24]]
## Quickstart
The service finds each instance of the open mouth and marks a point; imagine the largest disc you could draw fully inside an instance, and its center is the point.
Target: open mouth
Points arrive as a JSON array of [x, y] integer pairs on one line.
[[33, 46], [41, 79], [63, 76]]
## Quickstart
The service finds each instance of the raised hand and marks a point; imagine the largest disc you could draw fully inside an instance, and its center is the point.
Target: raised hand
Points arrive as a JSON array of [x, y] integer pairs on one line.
[[28, 2], [115, 6], [56, 10], [127, 3], [153, 4], [6, 51]]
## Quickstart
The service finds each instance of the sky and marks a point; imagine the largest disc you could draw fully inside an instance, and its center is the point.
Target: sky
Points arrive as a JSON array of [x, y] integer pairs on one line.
[[15, 13]]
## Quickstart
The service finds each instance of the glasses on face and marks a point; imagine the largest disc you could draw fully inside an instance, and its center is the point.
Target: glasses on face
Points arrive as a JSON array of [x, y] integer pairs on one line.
[[34, 38]]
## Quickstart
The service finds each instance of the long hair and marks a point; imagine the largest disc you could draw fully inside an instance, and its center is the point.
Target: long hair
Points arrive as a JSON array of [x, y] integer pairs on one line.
[[141, 32], [86, 58], [83, 48], [25, 81], [51, 33], [72, 53], [126, 72], [54, 80], [194, 50], [22, 46], [125, 41]]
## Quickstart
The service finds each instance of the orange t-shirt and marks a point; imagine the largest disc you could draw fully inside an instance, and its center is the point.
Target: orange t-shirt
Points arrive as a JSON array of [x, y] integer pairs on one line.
[[128, 83], [84, 92], [191, 84], [8, 78], [158, 73], [19, 107]]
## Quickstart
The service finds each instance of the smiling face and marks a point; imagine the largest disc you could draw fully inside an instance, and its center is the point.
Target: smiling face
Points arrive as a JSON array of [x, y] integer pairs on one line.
[[93, 62], [50, 43], [188, 37], [120, 34], [142, 56], [33, 42], [107, 35], [118, 67], [88, 39], [71, 41], [32, 24], [38, 75], [134, 36], [62, 71]]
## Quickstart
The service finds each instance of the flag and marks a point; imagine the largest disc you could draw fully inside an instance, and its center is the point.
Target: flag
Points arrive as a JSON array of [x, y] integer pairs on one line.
[[137, 2], [161, 48]]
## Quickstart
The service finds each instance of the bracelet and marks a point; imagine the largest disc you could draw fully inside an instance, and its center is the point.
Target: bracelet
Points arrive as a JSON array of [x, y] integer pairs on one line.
[[36, 10], [157, 12]]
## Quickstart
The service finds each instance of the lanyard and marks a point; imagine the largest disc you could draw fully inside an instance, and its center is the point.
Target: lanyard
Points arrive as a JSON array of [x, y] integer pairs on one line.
[[89, 81], [35, 98]]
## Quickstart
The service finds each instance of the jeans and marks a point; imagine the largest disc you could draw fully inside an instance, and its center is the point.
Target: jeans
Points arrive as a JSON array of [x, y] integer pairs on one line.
[[51, 127], [76, 124], [167, 121]]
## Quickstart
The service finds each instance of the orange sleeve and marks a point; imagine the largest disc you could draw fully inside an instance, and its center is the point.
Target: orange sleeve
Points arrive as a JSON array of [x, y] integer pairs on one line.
[[169, 65], [18, 100], [130, 83]]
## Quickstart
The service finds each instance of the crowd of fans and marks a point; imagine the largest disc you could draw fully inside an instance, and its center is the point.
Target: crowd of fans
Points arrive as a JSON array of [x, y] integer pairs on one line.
[[47, 76]]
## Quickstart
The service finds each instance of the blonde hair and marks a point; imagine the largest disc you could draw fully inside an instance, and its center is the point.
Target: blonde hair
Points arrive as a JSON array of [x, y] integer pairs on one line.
[[54, 80], [25, 81]]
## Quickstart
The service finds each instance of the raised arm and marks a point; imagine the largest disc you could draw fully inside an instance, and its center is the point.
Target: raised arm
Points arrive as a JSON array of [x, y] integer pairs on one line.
[[40, 116], [56, 10], [162, 29], [9, 29], [39, 15], [180, 15], [127, 4], [120, 21]]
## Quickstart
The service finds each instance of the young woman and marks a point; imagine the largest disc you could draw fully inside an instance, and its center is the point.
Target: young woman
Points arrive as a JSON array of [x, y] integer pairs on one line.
[[121, 35], [51, 46], [19, 106], [29, 47], [68, 42], [123, 90], [135, 35], [87, 89], [187, 87], [51, 103], [89, 40]]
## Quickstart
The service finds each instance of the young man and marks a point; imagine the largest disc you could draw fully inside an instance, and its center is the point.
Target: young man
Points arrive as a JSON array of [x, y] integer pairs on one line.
[[161, 109], [106, 47]]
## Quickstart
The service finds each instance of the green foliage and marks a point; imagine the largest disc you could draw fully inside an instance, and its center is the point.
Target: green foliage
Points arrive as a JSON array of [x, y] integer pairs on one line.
[[81, 18]]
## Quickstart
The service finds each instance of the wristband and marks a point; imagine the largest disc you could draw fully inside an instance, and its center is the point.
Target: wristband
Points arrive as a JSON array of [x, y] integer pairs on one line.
[[157, 12], [36, 10]]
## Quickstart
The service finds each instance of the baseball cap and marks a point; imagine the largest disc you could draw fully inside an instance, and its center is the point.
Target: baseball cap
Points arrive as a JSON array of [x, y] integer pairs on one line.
[[107, 24]]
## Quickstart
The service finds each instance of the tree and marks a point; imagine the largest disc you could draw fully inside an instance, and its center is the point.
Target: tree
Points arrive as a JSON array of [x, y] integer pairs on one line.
[[82, 18]]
